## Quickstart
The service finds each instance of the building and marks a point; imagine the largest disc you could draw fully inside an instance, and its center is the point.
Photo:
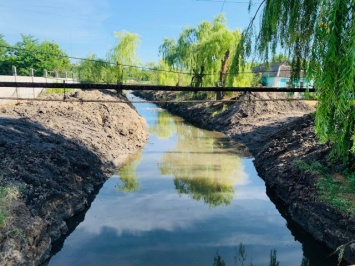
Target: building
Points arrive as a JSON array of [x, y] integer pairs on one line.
[[278, 75]]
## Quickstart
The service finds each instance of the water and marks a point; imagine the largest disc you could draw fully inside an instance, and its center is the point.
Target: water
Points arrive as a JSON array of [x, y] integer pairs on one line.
[[188, 198]]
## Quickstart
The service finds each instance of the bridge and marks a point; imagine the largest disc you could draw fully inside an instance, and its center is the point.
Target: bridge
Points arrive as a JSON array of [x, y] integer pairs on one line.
[[9, 91], [64, 84]]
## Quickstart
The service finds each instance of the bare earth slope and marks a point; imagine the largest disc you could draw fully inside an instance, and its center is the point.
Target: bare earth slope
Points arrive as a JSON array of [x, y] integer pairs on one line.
[[57, 155], [277, 134]]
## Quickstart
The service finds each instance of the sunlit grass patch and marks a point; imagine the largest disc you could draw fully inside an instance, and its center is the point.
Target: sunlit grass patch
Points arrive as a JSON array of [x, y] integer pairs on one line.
[[7, 194], [337, 189], [58, 90]]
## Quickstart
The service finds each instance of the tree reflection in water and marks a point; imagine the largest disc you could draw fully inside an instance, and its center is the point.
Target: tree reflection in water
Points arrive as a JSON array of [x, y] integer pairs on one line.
[[218, 261], [127, 174], [201, 163], [165, 127]]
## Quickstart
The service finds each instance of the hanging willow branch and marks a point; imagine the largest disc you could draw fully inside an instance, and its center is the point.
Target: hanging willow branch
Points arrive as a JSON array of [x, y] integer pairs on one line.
[[319, 38]]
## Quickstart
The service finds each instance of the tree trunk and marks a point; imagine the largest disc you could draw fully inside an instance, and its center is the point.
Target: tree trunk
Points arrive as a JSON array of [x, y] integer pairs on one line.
[[222, 75]]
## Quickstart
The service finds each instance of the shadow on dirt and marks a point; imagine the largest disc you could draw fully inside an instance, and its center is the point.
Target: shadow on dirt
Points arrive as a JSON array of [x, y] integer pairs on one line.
[[57, 179]]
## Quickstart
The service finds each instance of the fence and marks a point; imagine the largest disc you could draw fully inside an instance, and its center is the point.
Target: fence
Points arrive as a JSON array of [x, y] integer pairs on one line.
[[25, 92]]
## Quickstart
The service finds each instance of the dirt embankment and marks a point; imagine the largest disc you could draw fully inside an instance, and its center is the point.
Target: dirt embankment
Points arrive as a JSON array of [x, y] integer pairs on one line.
[[57, 155], [277, 133]]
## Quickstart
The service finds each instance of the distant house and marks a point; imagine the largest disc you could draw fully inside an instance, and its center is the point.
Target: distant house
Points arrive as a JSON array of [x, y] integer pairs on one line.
[[278, 75]]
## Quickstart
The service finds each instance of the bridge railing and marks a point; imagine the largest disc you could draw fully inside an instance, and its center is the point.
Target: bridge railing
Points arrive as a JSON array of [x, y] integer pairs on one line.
[[49, 77]]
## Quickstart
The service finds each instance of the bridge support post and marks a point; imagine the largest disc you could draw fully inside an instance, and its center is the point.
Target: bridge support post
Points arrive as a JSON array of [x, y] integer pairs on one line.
[[14, 71]]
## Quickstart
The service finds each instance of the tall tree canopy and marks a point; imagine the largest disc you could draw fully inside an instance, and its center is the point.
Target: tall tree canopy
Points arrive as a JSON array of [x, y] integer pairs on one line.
[[124, 54], [29, 53], [319, 36], [204, 49], [94, 70], [117, 67]]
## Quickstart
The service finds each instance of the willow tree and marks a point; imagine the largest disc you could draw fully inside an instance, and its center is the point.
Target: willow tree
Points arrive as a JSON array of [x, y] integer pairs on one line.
[[124, 55], [94, 70], [319, 37], [204, 51]]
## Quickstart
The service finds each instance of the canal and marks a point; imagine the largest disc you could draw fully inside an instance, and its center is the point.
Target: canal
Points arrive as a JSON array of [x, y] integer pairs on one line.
[[190, 197]]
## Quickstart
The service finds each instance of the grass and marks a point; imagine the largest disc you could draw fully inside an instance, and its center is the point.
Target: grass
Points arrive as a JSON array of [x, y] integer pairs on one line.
[[220, 111], [7, 194], [57, 90], [336, 188]]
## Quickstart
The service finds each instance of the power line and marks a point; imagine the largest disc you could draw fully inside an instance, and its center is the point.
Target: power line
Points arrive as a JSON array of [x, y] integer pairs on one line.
[[223, 6], [134, 66]]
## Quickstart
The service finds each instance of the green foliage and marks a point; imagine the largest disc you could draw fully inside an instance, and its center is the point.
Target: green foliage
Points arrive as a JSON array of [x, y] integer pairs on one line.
[[319, 36], [29, 53], [127, 174], [205, 49], [124, 55], [202, 167], [118, 67], [341, 249], [241, 256], [336, 189], [218, 261], [5, 63], [128, 178], [279, 58], [58, 91], [165, 77], [273, 258], [7, 194], [95, 70]]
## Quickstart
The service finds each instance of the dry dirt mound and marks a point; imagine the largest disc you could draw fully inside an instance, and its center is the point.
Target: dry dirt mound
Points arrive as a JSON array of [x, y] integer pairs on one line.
[[57, 155]]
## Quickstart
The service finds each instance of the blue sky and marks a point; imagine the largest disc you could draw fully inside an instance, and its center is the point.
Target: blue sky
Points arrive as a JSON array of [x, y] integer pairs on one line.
[[82, 27]]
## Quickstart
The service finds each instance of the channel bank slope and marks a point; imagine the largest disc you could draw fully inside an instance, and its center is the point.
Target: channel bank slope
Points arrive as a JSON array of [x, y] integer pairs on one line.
[[277, 133], [54, 158]]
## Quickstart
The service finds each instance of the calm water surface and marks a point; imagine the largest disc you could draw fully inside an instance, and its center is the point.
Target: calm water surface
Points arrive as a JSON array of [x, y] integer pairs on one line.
[[187, 199]]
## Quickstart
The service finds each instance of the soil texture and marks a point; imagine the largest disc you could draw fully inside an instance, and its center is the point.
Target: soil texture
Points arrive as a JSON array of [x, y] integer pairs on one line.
[[57, 155]]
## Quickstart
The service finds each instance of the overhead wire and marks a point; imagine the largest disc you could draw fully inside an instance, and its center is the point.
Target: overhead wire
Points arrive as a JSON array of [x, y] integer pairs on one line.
[[134, 66]]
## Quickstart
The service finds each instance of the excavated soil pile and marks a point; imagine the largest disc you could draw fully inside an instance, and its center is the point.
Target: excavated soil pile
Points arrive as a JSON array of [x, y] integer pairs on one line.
[[57, 155]]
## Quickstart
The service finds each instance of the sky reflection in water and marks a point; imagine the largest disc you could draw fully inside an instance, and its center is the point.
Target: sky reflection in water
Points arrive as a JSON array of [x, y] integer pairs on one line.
[[186, 197]]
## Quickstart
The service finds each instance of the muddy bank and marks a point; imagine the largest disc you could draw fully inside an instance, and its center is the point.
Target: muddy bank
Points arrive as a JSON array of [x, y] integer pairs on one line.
[[277, 134], [274, 162], [56, 155]]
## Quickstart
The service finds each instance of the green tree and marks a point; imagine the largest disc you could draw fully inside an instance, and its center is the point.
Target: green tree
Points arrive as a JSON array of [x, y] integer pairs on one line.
[[29, 53], [218, 261], [124, 55], [273, 258], [319, 36], [5, 63], [95, 70], [279, 58], [205, 49], [202, 167], [50, 56]]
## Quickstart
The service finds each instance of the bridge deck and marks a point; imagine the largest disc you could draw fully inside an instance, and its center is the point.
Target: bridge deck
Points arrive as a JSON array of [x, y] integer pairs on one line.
[[101, 86]]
